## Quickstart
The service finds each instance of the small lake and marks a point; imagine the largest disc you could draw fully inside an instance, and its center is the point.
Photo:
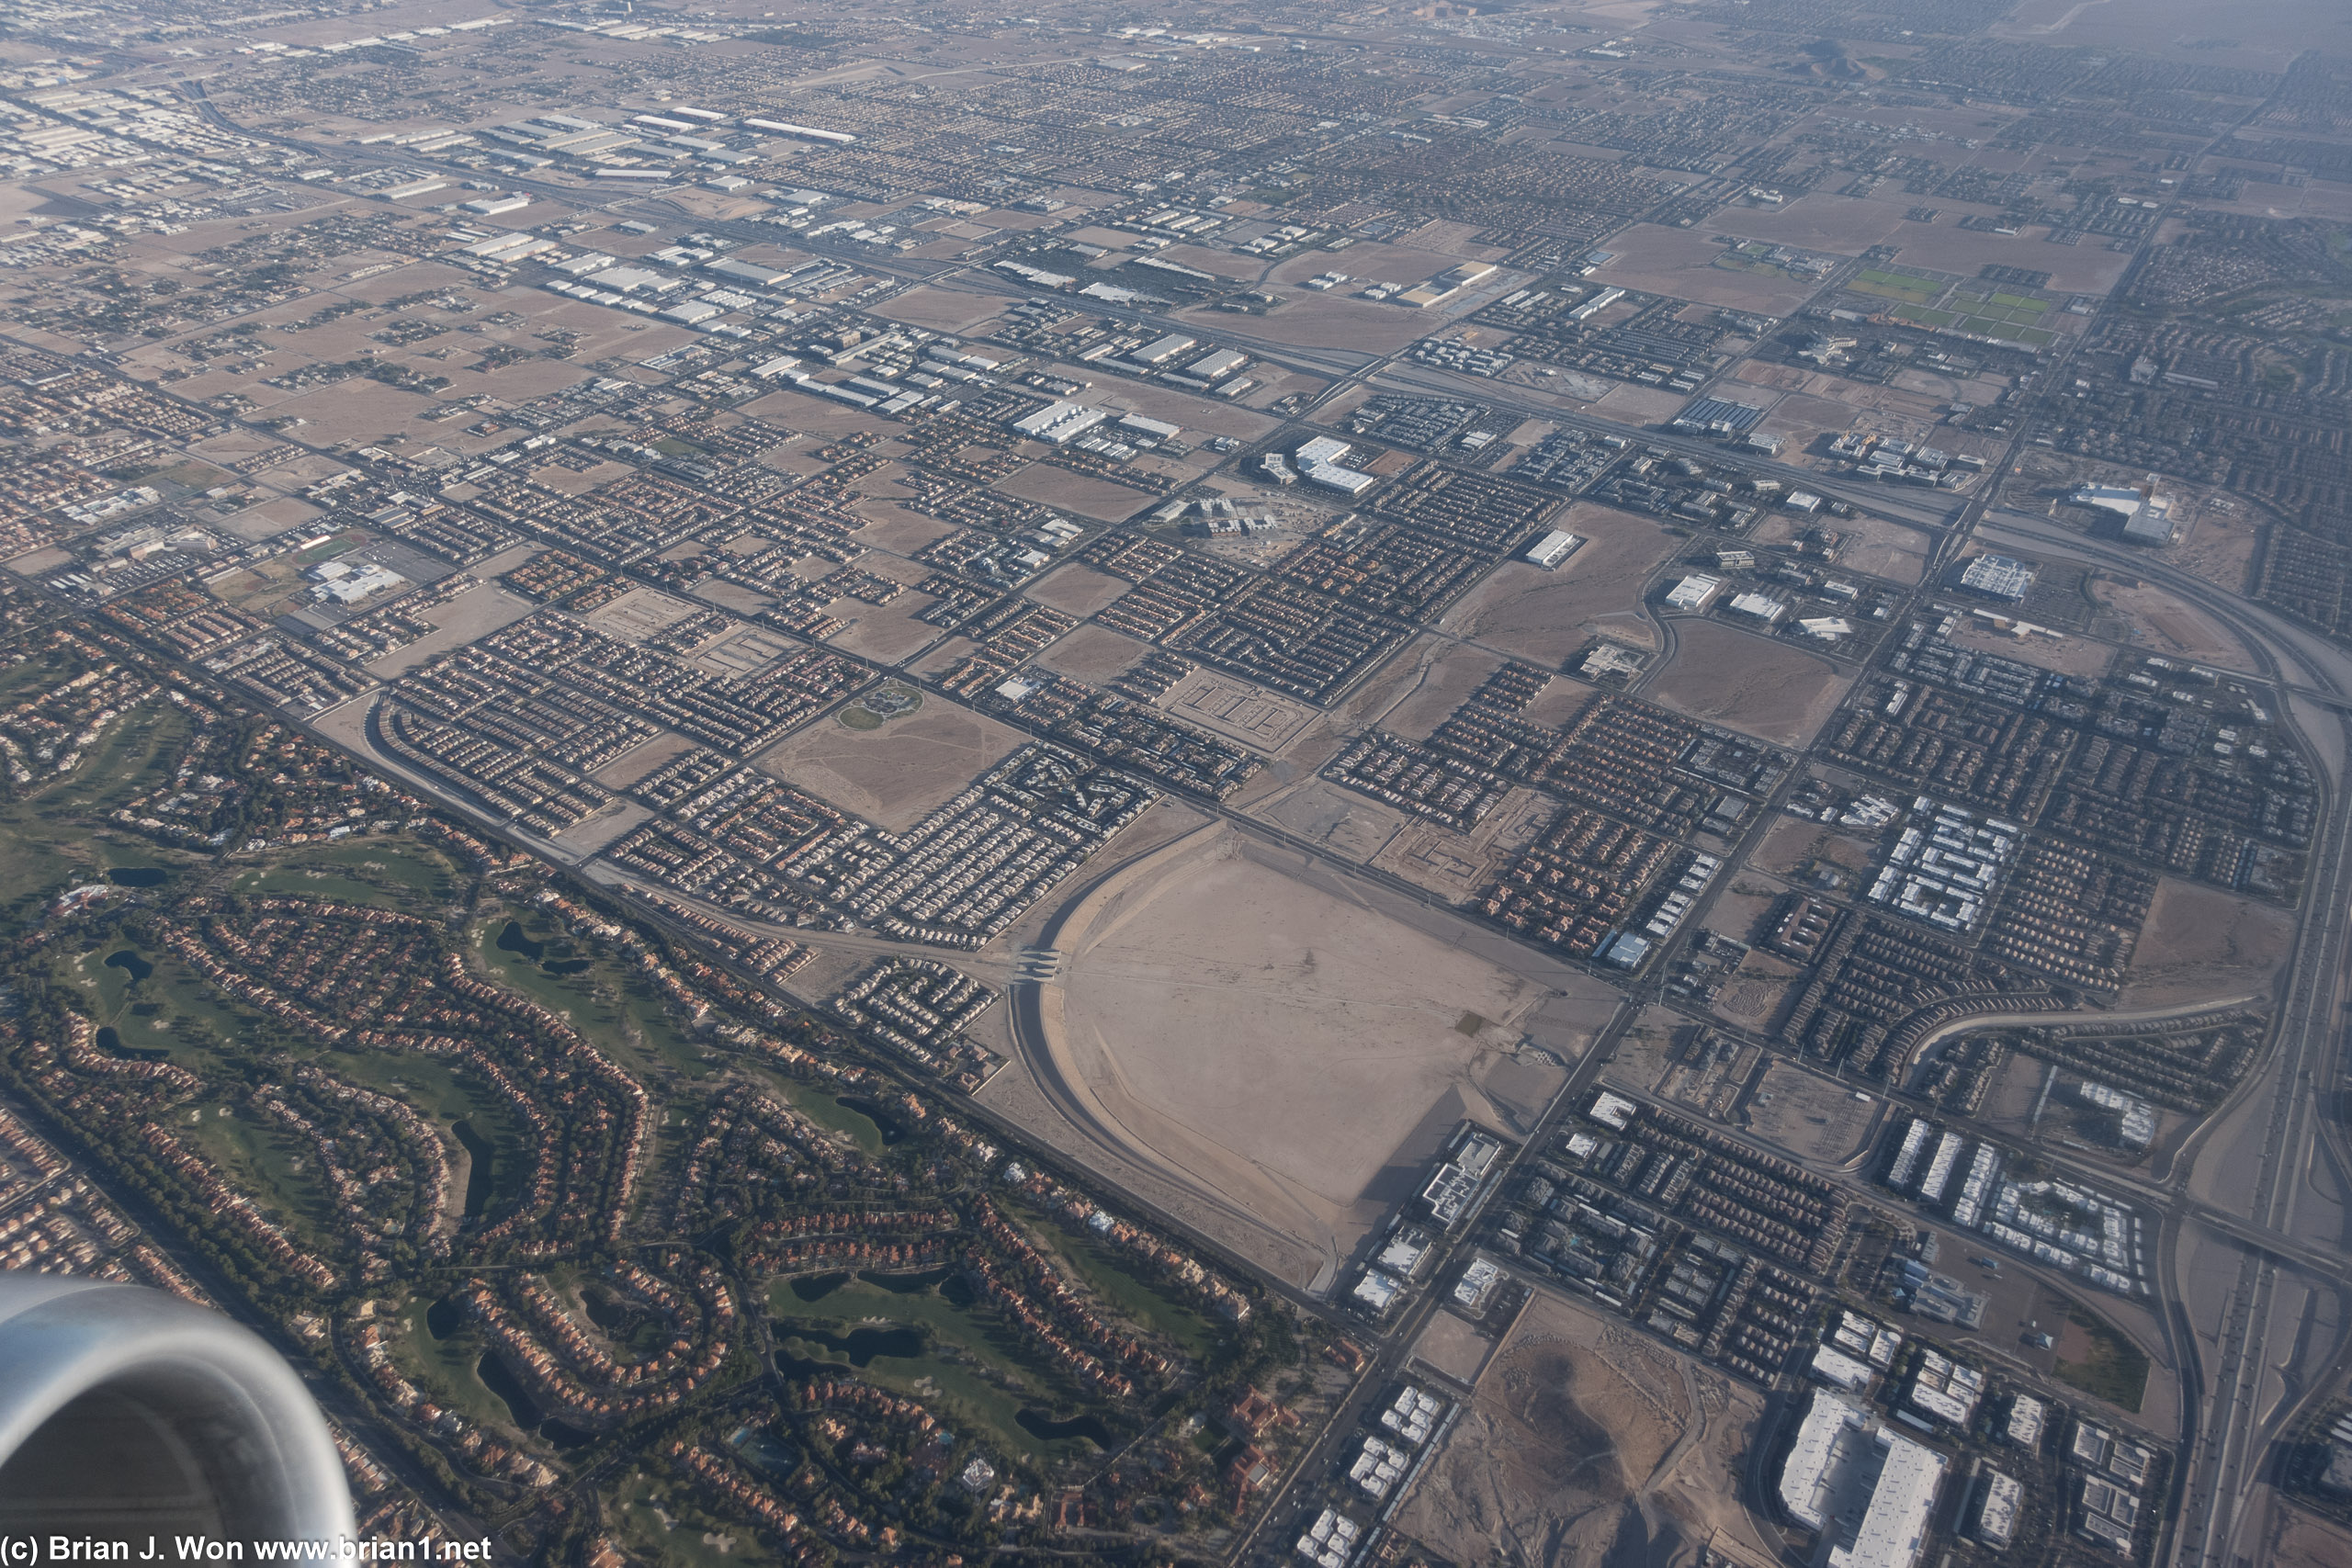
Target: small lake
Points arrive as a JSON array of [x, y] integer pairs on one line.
[[860, 1345], [513, 938], [138, 876], [509, 1389], [1047, 1430], [564, 1435], [480, 1157], [111, 1041], [132, 964], [891, 1129]]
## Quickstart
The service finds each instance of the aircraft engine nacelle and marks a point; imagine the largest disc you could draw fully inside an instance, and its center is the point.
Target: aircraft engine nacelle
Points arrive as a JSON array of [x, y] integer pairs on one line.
[[126, 1414]]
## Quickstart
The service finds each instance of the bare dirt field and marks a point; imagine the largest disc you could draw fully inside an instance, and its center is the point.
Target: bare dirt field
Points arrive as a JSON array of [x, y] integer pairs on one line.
[[892, 775], [1641, 405], [1274, 1043], [1232, 707], [639, 614], [2172, 626], [1752, 997], [1098, 499], [1092, 653], [1588, 1444], [1455, 1349], [2067, 655], [1873, 547], [1352, 826], [888, 632], [1680, 262], [942, 310], [1077, 588], [1197, 415], [1455, 866], [1793, 842], [1811, 1117], [1760, 686], [641, 761], [1545, 616], [2200, 941], [475, 613], [898, 529], [2300, 1538], [2262, 37], [1320, 320], [815, 416], [2220, 547], [1445, 674]]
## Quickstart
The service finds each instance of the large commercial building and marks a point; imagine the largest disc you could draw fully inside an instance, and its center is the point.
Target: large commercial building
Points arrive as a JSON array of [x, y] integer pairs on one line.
[[1997, 577], [1869, 1493], [1694, 593], [1318, 463], [1058, 423], [1552, 548]]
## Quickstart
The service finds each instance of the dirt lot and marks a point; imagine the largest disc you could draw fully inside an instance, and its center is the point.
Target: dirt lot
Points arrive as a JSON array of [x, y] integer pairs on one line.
[[1872, 546], [2200, 941], [888, 632], [1443, 675], [1228, 705], [1681, 262], [1293, 1053], [1079, 588], [1092, 653], [942, 310], [1098, 499], [2067, 655], [639, 614], [1455, 866], [2172, 626], [892, 775], [1793, 842], [898, 529], [1454, 1348], [2303, 1539], [1811, 1117], [1352, 826], [1545, 616], [2220, 547], [1587, 1446], [474, 615], [1754, 995], [1760, 686]]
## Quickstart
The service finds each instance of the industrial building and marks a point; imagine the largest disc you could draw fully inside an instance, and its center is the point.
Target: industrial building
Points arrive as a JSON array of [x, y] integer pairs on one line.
[[1997, 577], [1552, 548], [2146, 514], [1318, 463], [1869, 1493], [1998, 1501], [1694, 593], [340, 583], [1446, 285], [1057, 425], [1457, 1181]]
